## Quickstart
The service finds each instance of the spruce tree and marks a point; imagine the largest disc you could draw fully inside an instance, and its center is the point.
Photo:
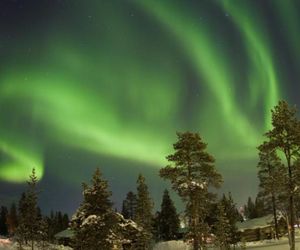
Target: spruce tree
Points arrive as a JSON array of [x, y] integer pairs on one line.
[[29, 220], [129, 206], [59, 221], [260, 207], [168, 219], [65, 222], [233, 217], [156, 226], [297, 204], [42, 234], [285, 138], [250, 209], [143, 213], [56, 223], [255, 209], [95, 221], [51, 226], [192, 173], [3, 220], [21, 233], [12, 219], [222, 228]]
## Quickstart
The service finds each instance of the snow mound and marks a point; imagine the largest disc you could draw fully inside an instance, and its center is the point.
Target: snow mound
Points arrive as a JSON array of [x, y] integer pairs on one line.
[[172, 245]]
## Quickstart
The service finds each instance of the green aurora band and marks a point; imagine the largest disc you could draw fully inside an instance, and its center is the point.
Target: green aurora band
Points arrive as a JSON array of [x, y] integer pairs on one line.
[[262, 75], [124, 97], [287, 12]]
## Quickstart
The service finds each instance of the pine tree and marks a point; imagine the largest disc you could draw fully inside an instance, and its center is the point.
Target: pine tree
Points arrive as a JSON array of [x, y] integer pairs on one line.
[[12, 220], [285, 137], [3, 218], [129, 206], [233, 216], [21, 233], [191, 175], [283, 196], [29, 220], [56, 223], [129, 232], [255, 209], [260, 207], [95, 221], [222, 228], [65, 222], [143, 213], [59, 221], [168, 219], [271, 175], [42, 234], [51, 226], [156, 226], [250, 209], [22, 204]]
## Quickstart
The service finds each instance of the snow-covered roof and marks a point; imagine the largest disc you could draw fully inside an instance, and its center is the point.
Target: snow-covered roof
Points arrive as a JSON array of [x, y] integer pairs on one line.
[[262, 222], [68, 233]]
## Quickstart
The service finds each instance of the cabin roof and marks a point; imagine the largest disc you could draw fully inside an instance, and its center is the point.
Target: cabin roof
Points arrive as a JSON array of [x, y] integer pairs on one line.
[[262, 222], [68, 233]]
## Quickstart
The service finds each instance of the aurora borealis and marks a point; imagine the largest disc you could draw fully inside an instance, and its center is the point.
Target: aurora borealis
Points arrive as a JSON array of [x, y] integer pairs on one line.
[[108, 83]]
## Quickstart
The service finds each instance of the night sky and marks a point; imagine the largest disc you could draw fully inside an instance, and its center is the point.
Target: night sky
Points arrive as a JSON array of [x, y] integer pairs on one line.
[[86, 84]]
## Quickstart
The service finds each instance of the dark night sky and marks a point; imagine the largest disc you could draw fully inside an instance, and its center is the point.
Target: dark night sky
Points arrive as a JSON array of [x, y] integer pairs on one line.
[[86, 84]]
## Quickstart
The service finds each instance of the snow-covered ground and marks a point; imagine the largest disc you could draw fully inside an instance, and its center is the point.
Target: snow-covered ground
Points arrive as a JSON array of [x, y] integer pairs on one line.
[[180, 245], [174, 245], [15, 247], [260, 245], [281, 244]]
